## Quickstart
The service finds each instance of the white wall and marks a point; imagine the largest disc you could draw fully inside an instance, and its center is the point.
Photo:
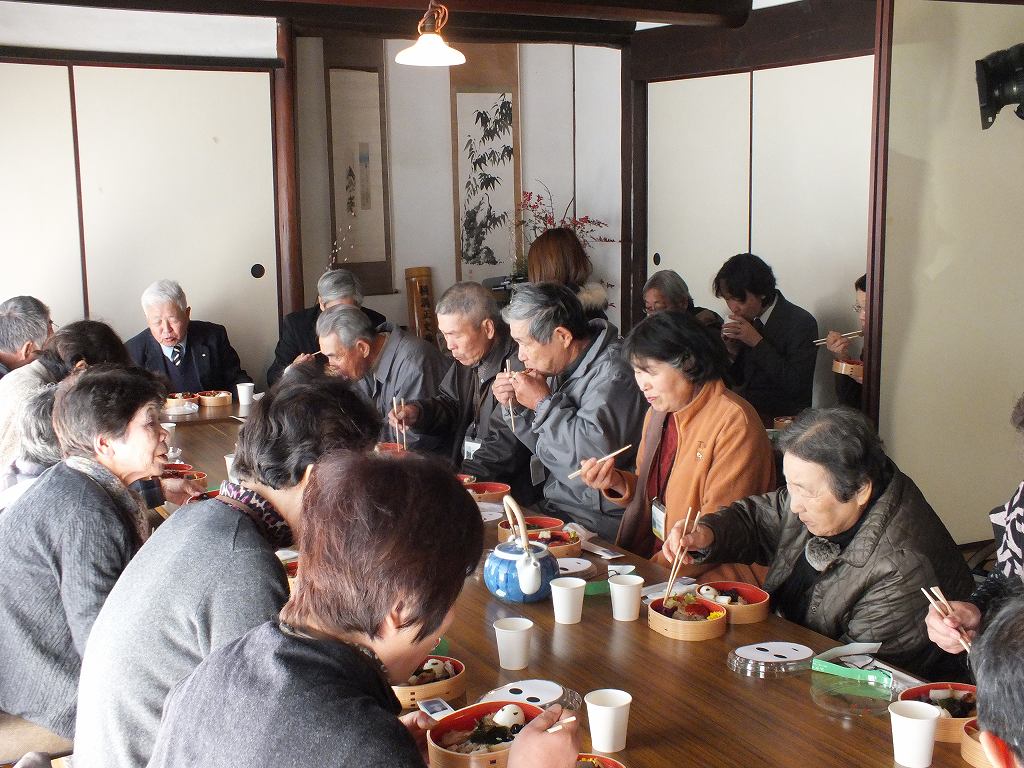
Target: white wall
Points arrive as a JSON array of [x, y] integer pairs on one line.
[[954, 276]]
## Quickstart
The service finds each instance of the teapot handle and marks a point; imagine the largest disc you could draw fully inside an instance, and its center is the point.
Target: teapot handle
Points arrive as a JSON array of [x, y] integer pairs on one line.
[[512, 508]]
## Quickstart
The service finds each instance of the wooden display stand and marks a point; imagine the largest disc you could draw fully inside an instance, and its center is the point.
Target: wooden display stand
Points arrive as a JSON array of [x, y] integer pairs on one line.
[[420, 293]]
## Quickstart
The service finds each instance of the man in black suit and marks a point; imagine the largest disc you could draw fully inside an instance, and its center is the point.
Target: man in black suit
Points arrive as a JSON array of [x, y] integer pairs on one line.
[[192, 354], [770, 339], [299, 341]]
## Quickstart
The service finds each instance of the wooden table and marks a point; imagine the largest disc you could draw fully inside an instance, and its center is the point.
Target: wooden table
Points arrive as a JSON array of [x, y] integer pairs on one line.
[[688, 708], [208, 415]]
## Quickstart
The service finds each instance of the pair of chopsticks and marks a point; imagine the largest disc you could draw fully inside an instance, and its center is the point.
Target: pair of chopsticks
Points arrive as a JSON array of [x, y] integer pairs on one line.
[[850, 335], [941, 604], [558, 726], [511, 411], [677, 561], [611, 455], [404, 442]]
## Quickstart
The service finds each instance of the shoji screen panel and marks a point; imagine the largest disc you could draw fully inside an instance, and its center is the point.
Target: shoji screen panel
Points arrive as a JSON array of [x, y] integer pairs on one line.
[[178, 182], [698, 177], [811, 128], [39, 245]]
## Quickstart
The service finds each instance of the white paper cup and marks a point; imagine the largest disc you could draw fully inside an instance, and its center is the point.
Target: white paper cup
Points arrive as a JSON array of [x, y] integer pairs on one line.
[[626, 596], [245, 393], [513, 642], [567, 595], [913, 732], [169, 426], [229, 461], [608, 714]]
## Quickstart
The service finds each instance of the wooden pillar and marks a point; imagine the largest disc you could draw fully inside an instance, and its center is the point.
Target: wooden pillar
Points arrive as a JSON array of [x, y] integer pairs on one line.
[[289, 252]]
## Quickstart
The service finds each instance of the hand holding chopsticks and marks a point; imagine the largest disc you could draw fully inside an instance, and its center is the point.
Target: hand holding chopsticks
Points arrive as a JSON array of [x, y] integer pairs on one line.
[[848, 335], [511, 406], [945, 610], [404, 441], [677, 561], [603, 459], [558, 726]]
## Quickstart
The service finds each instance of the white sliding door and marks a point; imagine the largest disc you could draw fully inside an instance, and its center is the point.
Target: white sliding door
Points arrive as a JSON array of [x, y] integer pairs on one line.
[[698, 177], [39, 245], [178, 183]]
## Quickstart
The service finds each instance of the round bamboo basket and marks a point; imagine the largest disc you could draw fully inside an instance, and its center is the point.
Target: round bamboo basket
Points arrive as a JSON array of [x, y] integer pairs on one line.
[[949, 729], [534, 524], [448, 689], [847, 367], [754, 611], [178, 399], [214, 398], [686, 630], [464, 720], [488, 492], [970, 745]]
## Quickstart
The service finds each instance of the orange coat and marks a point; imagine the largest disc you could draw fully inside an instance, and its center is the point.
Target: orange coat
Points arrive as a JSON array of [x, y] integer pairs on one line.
[[723, 455]]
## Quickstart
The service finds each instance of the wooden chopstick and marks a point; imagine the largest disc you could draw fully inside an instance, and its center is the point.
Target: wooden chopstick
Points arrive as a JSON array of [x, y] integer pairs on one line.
[[511, 412], [558, 726], [394, 429], [676, 561], [611, 455], [848, 335], [405, 437], [944, 609]]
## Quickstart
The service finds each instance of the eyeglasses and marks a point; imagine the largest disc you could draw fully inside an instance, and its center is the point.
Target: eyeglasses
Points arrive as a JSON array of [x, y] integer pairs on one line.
[[858, 308]]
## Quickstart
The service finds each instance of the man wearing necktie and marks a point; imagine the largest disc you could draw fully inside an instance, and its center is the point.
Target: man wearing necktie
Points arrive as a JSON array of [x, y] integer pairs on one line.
[[770, 339], [192, 354]]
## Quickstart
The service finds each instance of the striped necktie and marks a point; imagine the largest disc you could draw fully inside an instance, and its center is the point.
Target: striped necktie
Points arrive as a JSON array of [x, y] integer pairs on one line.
[[177, 353]]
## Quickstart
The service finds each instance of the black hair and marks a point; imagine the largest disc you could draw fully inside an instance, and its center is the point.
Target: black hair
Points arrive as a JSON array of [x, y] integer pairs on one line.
[[996, 662], [861, 284], [84, 341], [742, 274], [681, 341], [842, 441]]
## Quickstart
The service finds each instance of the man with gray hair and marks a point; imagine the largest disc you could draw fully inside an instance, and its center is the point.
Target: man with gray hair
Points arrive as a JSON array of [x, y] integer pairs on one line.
[[38, 449], [386, 363], [576, 399], [24, 326], [192, 354], [298, 341], [478, 339], [665, 291]]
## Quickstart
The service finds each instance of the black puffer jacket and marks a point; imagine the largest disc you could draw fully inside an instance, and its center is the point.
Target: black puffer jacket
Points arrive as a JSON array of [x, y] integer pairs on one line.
[[872, 591]]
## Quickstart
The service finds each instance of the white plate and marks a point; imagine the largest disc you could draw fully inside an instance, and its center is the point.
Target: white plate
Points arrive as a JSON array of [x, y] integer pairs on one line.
[[491, 511], [568, 566], [537, 692], [181, 410]]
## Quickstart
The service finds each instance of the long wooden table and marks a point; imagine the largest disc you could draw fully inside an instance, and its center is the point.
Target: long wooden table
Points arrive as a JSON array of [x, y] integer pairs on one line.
[[688, 708]]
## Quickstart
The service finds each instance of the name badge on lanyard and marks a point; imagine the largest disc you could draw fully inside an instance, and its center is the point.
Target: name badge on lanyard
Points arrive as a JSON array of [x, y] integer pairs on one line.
[[469, 448], [658, 518]]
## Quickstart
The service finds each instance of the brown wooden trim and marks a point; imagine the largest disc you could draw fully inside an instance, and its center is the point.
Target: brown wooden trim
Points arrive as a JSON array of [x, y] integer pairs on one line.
[[289, 254], [59, 56], [626, 173], [635, 272], [78, 190], [750, 163], [787, 34], [877, 205]]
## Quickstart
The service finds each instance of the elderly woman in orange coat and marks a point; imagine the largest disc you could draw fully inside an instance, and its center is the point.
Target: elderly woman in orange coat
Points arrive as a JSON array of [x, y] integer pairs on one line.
[[703, 446]]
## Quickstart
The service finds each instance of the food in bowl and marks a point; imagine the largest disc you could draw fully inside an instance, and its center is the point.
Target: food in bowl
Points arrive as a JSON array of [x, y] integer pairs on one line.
[[432, 670], [687, 607], [492, 733], [722, 596], [951, 702]]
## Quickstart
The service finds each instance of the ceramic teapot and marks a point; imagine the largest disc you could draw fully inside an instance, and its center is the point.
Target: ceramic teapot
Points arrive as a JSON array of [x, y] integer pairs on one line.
[[519, 570]]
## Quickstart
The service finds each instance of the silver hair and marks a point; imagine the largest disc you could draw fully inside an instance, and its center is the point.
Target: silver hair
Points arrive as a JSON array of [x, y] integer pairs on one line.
[[163, 291], [547, 306], [672, 287], [23, 319], [350, 324], [472, 301], [38, 442], [339, 284]]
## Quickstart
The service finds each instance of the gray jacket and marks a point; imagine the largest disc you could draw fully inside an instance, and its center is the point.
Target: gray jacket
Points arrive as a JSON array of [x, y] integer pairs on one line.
[[872, 591], [595, 408]]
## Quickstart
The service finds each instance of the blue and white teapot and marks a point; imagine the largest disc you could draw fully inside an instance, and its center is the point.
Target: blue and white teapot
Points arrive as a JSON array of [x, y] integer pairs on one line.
[[519, 570]]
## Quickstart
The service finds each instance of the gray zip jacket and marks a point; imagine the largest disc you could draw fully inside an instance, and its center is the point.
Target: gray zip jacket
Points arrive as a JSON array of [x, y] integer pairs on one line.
[[595, 408]]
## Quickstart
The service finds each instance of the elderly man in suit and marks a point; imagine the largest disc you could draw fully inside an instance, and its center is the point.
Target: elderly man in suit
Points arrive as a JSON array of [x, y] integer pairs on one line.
[[770, 339], [194, 355], [298, 342]]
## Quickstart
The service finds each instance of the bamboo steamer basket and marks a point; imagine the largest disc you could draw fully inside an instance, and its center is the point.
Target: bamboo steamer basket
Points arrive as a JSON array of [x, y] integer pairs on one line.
[[557, 548], [178, 399], [488, 492], [214, 398], [539, 523], [452, 688], [847, 367], [687, 630], [949, 729], [754, 611], [970, 745], [464, 720]]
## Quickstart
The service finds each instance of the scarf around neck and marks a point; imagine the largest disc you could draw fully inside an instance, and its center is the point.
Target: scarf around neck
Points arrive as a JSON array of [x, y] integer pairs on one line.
[[267, 519], [130, 506]]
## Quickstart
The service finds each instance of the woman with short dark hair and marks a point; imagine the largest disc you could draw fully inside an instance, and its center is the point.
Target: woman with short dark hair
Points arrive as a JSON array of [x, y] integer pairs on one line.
[[66, 540], [849, 542], [387, 542], [703, 446]]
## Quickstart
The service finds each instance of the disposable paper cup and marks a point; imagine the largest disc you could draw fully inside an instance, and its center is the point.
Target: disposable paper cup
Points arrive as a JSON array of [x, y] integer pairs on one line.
[[245, 393], [608, 713], [567, 595], [229, 461], [626, 597], [169, 426], [513, 642], [913, 732]]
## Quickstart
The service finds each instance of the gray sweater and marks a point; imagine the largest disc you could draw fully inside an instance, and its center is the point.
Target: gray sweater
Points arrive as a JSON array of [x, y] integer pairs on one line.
[[63, 544], [205, 578]]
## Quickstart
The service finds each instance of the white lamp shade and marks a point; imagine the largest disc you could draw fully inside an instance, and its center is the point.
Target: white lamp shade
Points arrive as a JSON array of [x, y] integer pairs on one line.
[[430, 51]]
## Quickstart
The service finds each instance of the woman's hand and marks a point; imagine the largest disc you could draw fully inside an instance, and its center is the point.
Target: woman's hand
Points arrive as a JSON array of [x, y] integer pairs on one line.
[[836, 344], [418, 723], [178, 490], [534, 747], [943, 631], [700, 537], [530, 388], [602, 476]]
